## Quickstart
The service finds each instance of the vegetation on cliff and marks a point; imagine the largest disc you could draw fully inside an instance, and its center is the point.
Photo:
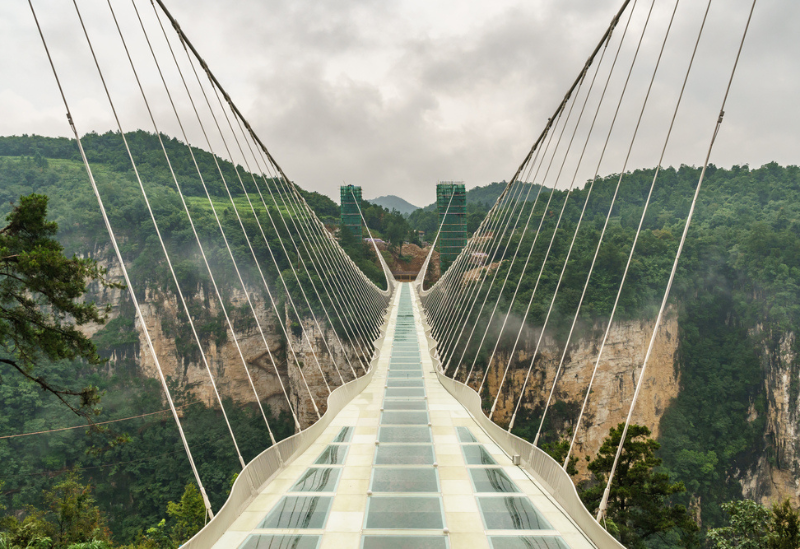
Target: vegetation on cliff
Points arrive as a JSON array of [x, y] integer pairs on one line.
[[737, 294]]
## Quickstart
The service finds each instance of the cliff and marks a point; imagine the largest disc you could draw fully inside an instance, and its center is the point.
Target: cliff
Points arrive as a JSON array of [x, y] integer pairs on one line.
[[612, 388], [183, 366], [776, 474]]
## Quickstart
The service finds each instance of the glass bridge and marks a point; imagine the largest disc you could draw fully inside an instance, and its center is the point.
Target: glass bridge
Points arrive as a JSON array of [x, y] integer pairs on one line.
[[403, 465]]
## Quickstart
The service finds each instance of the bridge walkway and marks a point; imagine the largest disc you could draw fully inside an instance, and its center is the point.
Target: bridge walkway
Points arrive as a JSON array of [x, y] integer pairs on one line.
[[403, 465]]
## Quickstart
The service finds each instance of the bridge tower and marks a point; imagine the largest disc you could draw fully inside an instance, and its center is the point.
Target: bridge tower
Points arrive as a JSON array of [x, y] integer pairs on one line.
[[451, 203], [350, 217]]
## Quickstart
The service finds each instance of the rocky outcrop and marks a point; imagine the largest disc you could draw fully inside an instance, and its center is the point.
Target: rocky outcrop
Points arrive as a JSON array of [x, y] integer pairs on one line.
[[776, 474], [313, 348], [612, 388], [254, 362]]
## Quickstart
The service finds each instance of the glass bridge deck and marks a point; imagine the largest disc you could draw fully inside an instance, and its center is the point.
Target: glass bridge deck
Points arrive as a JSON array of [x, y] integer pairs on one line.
[[403, 466]]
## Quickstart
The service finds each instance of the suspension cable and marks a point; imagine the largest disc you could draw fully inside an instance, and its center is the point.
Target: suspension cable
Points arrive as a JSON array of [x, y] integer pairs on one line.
[[112, 236], [459, 290], [604, 501], [611, 128], [530, 302], [423, 270], [525, 229], [530, 252], [467, 290], [633, 246], [472, 292], [457, 340], [158, 231], [217, 292], [252, 153], [266, 241], [331, 255], [591, 187]]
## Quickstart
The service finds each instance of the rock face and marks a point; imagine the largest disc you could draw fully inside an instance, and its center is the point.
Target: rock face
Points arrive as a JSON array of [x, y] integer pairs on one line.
[[612, 389], [225, 361], [257, 361], [313, 348], [776, 475]]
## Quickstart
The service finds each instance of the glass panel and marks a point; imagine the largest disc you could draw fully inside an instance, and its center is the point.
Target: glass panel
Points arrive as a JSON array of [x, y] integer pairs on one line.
[[465, 435], [298, 512], [318, 479], [528, 542], [405, 434], [405, 405], [405, 367], [417, 513], [477, 455], [405, 383], [511, 513], [344, 435], [269, 541], [492, 480], [404, 418], [404, 393], [405, 374], [404, 542], [332, 455], [407, 479], [404, 455]]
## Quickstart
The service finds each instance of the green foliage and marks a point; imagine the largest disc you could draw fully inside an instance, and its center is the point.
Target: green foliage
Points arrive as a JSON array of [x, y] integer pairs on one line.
[[33, 532], [363, 255], [75, 515], [753, 526], [785, 526], [188, 515], [558, 451], [639, 501], [72, 520], [40, 301]]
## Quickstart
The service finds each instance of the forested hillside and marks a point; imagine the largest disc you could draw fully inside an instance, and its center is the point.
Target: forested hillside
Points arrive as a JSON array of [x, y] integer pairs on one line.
[[737, 297], [133, 482]]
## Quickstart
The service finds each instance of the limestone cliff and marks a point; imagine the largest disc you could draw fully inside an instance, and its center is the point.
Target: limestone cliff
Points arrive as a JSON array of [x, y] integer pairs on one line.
[[271, 367], [776, 475], [612, 388]]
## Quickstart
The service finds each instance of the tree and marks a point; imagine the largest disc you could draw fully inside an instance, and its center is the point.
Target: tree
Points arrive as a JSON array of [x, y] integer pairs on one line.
[[785, 526], [396, 232], [76, 518], [41, 304], [639, 501], [30, 533], [72, 521], [558, 451], [754, 526], [189, 514]]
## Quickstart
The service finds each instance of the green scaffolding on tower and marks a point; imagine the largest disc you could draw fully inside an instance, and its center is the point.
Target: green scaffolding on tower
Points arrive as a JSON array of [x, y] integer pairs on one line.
[[351, 217], [453, 235]]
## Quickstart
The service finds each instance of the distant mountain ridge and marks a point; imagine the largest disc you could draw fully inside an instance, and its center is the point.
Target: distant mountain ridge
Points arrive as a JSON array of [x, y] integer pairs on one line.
[[392, 202]]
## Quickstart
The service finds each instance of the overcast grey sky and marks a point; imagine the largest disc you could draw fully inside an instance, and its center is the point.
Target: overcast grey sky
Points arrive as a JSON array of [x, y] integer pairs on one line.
[[395, 95]]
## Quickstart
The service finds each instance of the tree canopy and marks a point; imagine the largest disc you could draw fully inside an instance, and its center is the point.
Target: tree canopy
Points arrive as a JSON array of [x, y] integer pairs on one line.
[[41, 305], [639, 505]]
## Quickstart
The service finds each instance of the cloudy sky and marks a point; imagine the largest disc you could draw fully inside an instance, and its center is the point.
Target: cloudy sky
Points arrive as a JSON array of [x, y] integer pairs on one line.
[[395, 95]]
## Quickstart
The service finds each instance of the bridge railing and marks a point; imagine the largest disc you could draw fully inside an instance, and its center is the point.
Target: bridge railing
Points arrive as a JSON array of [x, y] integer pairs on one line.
[[533, 460], [263, 468]]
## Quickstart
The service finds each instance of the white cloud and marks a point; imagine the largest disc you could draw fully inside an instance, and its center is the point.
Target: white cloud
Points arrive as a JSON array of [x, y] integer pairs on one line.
[[395, 95]]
